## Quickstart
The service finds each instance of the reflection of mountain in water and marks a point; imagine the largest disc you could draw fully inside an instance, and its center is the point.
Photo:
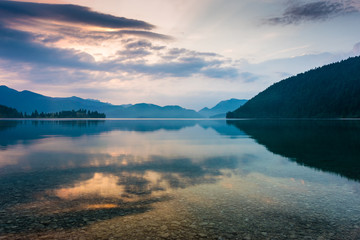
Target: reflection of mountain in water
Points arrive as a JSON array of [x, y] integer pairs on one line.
[[328, 145], [221, 128], [13, 132], [101, 177]]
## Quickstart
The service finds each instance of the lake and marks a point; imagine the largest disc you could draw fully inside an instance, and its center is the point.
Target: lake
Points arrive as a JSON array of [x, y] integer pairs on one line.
[[179, 179]]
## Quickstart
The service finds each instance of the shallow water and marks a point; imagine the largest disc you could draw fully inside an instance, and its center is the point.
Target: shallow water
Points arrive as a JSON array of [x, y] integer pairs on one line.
[[180, 179]]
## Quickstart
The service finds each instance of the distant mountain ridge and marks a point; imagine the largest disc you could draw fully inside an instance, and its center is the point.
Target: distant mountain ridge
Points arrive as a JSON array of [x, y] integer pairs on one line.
[[220, 109], [27, 101], [332, 91]]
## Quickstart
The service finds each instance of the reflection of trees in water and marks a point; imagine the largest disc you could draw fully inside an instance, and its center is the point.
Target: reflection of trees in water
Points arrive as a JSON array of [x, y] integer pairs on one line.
[[4, 125], [57, 186], [13, 132], [328, 145]]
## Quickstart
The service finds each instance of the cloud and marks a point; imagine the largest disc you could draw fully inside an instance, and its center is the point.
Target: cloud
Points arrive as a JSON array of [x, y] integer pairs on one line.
[[55, 22], [176, 62], [297, 12], [180, 51], [44, 62], [85, 36], [11, 10], [138, 44], [142, 34], [49, 43], [18, 46], [219, 72], [183, 68], [130, 53]]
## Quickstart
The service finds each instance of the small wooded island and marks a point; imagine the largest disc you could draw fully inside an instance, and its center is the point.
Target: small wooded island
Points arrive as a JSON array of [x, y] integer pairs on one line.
[[331, 91], [7, 112]]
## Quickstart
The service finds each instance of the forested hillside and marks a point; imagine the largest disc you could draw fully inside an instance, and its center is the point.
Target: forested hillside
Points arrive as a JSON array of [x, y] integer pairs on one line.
[[331, 91], [6, 112]]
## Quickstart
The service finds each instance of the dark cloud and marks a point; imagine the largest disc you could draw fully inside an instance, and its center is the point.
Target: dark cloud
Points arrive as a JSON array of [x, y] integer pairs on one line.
[[313, 11], [18, 46], [95, 37], [182, 51], [139, 44], [51, 38], [44, 59], [142, 44], [146, 34], [10, 11], [173, 69], [184, 65], [134, 53], [138, 49], [180, 54], [36, 47], [177, 51], [8, 34]]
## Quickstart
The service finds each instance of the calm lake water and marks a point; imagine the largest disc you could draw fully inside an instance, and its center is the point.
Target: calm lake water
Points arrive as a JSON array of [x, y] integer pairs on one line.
[[180, 179]]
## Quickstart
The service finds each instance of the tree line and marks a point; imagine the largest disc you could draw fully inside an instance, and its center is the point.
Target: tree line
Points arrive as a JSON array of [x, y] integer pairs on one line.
[[7, 112]]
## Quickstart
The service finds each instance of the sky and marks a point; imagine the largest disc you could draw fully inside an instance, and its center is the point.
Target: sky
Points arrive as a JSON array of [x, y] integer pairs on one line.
[[192, 53]]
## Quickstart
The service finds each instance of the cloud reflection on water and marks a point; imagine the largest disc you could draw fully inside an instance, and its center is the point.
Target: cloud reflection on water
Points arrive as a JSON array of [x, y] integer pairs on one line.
[[78, 173]]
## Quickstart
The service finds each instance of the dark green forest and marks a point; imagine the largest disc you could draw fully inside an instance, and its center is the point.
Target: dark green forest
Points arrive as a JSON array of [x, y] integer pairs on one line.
[[6, 112], [331, 91]]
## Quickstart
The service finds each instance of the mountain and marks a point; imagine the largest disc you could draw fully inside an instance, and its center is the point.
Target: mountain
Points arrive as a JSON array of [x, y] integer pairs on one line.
[[220, 109], [331, 91], [145, 110], [26, 101]]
